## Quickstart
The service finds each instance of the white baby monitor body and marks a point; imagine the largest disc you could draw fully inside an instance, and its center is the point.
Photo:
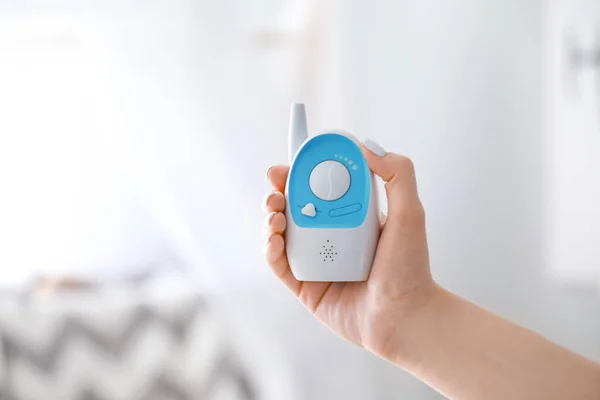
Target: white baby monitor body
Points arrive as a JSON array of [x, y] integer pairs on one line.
[[331, 205]]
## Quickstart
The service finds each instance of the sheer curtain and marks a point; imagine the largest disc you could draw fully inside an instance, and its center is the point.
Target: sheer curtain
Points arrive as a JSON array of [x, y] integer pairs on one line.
[[137, 132], [205, 109]]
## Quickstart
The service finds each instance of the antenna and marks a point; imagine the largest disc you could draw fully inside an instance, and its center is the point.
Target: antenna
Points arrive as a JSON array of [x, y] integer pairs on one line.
[[298, 130]]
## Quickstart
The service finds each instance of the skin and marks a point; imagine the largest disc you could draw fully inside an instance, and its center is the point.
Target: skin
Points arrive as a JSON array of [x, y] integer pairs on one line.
[[402, 315]]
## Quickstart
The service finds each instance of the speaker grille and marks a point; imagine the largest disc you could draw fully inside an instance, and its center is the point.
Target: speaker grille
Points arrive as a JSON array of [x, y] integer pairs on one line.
[[328, 251]]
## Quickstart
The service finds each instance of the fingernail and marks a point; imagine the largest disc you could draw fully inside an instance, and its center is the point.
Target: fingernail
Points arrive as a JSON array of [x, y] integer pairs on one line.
[[268, 169], [269, 219], [266, 200], [268, 238], [374, 147]]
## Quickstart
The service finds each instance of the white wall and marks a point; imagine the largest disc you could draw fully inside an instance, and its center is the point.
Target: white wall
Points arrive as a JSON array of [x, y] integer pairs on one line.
[[454, 89], [457, 86]]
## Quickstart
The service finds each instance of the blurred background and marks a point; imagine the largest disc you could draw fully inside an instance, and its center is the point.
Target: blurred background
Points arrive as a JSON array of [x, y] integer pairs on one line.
[[135, 136]]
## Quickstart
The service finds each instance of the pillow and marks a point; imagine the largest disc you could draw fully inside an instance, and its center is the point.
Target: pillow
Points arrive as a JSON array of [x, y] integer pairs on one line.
[[116, 345]]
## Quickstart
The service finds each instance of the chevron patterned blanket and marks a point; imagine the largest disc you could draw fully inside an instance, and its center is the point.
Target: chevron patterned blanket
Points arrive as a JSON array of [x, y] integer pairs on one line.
[[118, 347]]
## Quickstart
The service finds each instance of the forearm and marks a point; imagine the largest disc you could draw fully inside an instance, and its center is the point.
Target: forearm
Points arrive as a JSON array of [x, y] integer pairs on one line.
[[467, 353]]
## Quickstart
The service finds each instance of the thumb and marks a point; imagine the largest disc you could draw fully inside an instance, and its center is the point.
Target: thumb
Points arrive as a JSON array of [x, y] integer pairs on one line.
[[398, 173]]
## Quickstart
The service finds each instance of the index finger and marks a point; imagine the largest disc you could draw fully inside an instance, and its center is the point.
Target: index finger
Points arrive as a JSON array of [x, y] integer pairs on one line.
[[277, 175]]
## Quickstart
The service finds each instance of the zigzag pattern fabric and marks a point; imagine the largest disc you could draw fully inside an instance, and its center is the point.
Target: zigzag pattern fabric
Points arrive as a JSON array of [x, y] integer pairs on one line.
[[90, 349]]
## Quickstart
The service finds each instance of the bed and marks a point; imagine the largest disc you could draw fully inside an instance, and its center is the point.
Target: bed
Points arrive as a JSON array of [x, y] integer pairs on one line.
[[119, 343]]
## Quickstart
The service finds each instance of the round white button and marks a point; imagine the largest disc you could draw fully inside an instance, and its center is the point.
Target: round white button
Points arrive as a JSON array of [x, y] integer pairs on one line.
[[329, 180]]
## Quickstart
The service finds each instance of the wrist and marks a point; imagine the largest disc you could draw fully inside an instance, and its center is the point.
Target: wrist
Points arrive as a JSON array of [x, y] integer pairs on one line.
[[416, 324]]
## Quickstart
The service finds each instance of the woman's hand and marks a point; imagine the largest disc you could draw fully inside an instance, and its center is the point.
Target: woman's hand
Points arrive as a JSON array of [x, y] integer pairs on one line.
[[374, 313], [400, 314]]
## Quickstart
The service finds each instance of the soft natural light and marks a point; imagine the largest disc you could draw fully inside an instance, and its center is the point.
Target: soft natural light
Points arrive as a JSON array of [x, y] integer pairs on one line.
[[57, 180], [43, 102]]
